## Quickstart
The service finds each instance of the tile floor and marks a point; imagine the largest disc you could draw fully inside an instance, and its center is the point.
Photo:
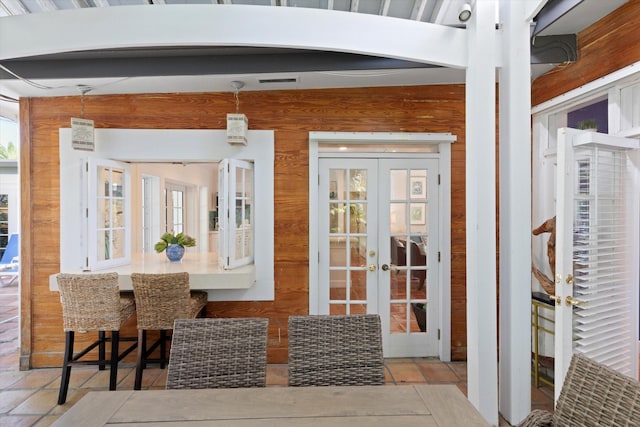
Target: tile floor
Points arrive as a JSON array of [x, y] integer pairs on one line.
[[29, 398]]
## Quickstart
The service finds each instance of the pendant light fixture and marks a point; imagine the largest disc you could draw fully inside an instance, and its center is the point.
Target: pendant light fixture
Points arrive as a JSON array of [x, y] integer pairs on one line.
[[237, 124], [82, 130]]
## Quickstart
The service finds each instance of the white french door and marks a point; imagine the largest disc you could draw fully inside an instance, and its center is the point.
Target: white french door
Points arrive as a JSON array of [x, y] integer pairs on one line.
[[378, 247], [596, 251]]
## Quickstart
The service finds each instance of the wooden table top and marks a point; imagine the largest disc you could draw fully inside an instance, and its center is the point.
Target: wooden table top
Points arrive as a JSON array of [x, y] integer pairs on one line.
[[410, 405]]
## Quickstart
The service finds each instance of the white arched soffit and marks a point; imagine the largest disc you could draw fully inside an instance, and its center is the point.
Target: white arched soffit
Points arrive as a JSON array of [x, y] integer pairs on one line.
[[231, 25]]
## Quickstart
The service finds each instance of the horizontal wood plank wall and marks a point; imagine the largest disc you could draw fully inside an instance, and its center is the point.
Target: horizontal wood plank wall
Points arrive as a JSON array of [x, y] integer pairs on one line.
[[292, 114], [609, 45]]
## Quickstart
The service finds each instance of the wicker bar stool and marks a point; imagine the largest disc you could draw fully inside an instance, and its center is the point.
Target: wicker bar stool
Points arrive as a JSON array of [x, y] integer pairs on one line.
[[93, 302], [160, 300], [218, 353], [335, 350]]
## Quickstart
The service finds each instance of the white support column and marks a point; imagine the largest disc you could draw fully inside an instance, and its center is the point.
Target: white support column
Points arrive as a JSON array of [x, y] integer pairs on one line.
[[480, 147], [515, 212]]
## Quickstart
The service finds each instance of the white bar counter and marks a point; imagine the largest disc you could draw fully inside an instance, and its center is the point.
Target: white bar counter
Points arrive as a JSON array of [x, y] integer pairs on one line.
[[203, 269]]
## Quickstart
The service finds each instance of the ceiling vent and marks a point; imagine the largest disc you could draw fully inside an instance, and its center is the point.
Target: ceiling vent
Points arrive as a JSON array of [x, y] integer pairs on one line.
[[281, 80]]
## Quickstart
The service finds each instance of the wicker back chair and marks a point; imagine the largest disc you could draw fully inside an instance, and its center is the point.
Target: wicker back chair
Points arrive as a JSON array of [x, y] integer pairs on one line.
[[93, 302], [335, 350], [160, 300], [218, 353], [593, 395]]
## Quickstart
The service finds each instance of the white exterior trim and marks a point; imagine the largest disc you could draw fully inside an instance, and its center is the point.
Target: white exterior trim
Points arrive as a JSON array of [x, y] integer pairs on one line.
[[231, 25], [515, 214], [480, 195], [444, 141]]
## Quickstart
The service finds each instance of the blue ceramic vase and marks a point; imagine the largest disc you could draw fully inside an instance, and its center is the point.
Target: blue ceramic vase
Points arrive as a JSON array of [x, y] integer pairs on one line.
[[175, 252]]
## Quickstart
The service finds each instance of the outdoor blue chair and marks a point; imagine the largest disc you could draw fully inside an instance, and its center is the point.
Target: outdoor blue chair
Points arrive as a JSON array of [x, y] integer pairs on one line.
[[9, 263]]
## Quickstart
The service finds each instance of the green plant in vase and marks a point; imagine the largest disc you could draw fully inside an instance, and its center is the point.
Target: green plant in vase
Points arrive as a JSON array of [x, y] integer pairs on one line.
[[174, 245]]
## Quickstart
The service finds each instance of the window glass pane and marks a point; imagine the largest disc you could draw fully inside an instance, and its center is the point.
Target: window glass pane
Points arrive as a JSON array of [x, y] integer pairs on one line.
[[398, 184], [248, 185], [103, 182], [337, 188], [358, 184], [239, 245], [337, 309], [358, 288], [117, 213], [338, 287], [358, 249], [418, 217], [117, 244], [398, 217], [338, 252], [338, 218], [418, 321], [117, 185], [398, 318], [358, 217], [398, 284], [248, 243], [103, 214], [102, 240], [358, 309]]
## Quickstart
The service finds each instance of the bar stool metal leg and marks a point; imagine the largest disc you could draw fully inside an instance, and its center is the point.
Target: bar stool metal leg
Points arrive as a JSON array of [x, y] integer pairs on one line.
[[66, 368], [113, 366], [141, 356]]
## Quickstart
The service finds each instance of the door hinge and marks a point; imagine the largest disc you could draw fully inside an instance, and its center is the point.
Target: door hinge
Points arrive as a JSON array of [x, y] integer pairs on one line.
[[86, 212], [438, 179], [439, 256], [318, 180], [438, 333]]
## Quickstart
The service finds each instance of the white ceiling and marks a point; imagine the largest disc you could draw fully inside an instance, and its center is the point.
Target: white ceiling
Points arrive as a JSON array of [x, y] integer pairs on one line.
[[442, 12]]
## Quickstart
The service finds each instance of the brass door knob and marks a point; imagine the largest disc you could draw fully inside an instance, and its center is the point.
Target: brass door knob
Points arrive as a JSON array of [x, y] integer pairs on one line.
[[575, 302]]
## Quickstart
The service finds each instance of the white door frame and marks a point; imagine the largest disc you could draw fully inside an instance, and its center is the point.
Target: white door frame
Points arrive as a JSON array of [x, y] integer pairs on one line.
[[443, 141]]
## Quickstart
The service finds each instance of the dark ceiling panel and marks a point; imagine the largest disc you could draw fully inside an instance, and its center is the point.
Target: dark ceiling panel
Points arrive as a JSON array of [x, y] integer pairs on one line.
[[192, 62]]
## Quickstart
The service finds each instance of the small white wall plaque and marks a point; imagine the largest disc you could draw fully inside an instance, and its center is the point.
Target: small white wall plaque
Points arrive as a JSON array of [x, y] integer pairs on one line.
[[82, 134]]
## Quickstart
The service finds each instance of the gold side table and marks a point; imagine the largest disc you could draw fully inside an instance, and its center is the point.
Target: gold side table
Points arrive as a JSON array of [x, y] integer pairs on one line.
[[541, 305]]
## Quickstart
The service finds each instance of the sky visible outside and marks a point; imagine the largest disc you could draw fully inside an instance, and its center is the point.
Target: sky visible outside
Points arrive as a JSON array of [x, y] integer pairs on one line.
[[8, 132]]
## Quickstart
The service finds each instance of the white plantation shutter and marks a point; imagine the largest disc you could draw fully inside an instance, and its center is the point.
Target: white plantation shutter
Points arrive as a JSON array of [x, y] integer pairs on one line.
[[604, 328], [597, 251]]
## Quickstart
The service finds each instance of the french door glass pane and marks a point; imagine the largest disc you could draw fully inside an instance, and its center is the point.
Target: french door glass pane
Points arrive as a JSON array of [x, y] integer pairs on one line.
[[408, 207], [348, 207]]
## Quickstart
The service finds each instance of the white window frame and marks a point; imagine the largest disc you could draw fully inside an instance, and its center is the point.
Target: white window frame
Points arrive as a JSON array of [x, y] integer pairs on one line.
[[150, 215], [230, 192], [170, 209], [90, 207], [253, 283]]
